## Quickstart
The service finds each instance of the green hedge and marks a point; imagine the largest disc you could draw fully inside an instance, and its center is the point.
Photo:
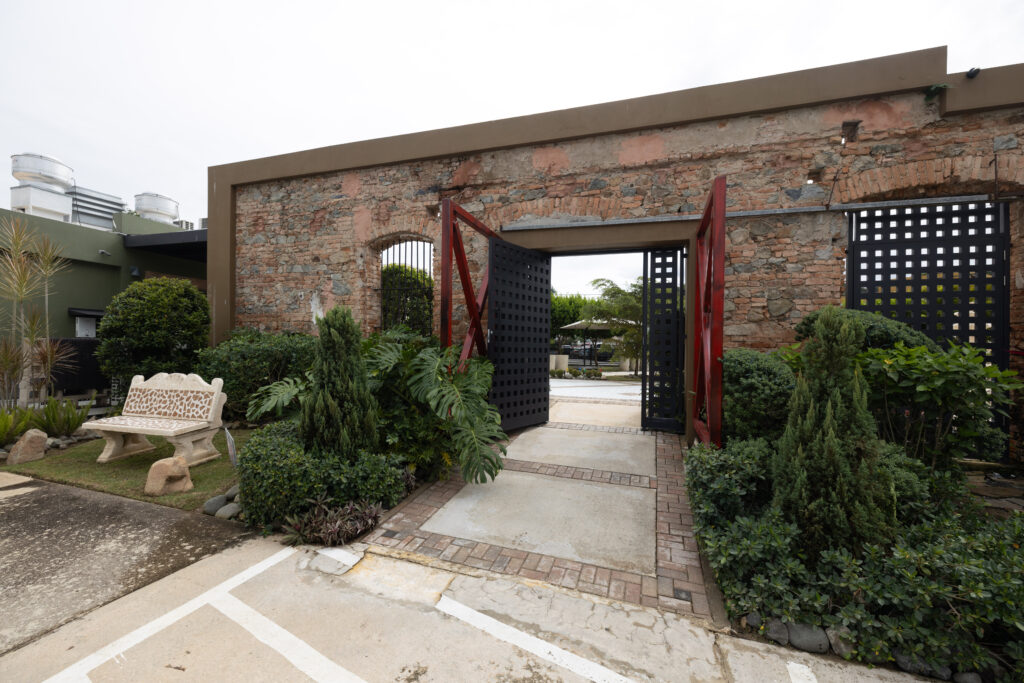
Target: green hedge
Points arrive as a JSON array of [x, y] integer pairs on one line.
[[250, 359]]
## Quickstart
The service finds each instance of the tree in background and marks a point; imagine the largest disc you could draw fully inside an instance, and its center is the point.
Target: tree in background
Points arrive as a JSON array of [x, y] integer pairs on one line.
[[565, 310], [623, 309], [407, 298], [156, 325]]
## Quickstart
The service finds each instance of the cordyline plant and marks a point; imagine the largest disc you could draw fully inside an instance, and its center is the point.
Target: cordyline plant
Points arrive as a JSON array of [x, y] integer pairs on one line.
[[28, 263]]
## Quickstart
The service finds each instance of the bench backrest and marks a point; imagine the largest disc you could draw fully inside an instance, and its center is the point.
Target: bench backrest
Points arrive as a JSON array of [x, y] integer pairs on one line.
[[178, 396]]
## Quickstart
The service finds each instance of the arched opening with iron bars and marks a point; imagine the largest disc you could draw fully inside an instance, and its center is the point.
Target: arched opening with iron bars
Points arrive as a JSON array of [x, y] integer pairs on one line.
[[407, 285]]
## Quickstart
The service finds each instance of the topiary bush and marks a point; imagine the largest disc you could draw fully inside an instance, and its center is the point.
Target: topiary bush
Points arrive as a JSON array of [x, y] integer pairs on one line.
[[340, 414], [755, 394], [879, 332], [826, 477], [250, 359], [155, 325], [277, 479]]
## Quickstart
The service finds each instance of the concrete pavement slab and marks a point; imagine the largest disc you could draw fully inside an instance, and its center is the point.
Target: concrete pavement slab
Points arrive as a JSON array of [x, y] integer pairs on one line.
[[630, 453], [204, 646], [11, 479], [602, 415], [391, 638], [65, 551], [595, 388], [602, 524]]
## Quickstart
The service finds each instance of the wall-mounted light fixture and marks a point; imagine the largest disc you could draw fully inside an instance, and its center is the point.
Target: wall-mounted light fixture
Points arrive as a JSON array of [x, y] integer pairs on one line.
[[104, 252]]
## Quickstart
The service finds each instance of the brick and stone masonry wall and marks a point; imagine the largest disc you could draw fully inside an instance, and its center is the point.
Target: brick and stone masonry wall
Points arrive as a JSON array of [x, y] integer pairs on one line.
[[313, 242]]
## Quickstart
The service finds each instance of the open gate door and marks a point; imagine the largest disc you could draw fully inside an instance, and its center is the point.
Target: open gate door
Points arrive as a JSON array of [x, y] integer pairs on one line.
[[516, 291], [519, 332], [663, 400]]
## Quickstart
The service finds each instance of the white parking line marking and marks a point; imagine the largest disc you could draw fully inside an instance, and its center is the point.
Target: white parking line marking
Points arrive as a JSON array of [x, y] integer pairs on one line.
[[800, 673], [556, 655], [340, 555], [80, 669], [297, 651]]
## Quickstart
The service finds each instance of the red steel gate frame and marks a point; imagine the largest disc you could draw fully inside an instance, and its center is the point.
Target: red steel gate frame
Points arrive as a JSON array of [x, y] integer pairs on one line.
[[451, 244], [710, 299]]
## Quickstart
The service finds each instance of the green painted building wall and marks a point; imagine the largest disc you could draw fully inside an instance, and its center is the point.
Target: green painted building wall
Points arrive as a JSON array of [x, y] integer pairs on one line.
[[99, 265]]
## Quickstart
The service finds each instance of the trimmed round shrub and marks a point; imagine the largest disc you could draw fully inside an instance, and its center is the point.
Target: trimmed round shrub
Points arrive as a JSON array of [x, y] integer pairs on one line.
[[155, 325], [755, 394], [250, 359], [879, 332], [277, 479]]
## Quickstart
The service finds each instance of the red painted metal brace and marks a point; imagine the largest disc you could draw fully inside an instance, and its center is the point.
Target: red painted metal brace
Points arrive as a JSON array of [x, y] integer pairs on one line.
[[452, 245], [710, 299]]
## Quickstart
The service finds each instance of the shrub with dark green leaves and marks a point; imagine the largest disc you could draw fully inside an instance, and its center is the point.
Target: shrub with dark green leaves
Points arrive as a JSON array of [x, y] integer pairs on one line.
[[407, 298], [725, 483], [755, 394], [939, 405], [879, 332], [250, 359], [277, 478], [155, 325], [375, 478]]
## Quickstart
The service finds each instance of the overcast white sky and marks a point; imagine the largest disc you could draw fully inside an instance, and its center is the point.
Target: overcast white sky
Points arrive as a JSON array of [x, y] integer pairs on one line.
[[144, 96]]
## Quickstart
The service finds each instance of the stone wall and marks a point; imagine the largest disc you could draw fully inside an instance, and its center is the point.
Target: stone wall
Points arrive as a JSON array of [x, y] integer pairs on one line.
[[306, 244]]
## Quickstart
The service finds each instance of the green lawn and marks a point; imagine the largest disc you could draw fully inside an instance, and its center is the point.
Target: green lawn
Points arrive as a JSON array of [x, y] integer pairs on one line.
[[77, 466]]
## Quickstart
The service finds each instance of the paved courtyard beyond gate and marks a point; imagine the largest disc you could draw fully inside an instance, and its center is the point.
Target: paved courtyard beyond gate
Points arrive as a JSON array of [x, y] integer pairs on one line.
[[589, 503]]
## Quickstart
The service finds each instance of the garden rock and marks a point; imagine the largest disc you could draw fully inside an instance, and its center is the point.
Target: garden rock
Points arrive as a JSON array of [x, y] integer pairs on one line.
[[778, 632], [81, 433], [229, 511], [967, 677], [169, 475], [231, 493], [54, 442], [912, 665], [31, 446], [753, 620], [214, 504], [840, 640], [808, 638]]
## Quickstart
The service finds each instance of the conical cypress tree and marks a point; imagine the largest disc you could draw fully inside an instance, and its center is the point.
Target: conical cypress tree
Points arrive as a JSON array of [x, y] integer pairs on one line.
[[340, 415], [825, 473]]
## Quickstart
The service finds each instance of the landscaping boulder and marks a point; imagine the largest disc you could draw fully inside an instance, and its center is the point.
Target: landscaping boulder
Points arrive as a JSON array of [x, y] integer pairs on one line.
[[211, 506], [754, 620], [31, 446], [231, 493], [778, 632], [841, 641], [967, 677], [169, 475], [229, 511], [808, 638], [912, 664]]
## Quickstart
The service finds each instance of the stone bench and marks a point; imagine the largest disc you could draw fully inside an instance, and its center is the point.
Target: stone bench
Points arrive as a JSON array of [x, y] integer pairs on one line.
[[183, 409]]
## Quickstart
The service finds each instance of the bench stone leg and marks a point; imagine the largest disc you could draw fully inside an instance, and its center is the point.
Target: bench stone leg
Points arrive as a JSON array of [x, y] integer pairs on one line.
[[195, 447], [120, 445]]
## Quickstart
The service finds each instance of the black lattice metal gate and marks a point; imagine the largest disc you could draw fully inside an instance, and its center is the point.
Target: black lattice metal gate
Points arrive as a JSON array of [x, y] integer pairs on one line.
[[941, 268], [664, 340], [519, 331]]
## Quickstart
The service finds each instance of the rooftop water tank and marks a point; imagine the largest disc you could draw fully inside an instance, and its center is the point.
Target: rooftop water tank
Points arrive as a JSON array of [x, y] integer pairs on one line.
[[41, 171], [156, 207]]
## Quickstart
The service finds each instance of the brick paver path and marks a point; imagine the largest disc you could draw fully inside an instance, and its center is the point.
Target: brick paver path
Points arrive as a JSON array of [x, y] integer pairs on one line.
[[679, 582]]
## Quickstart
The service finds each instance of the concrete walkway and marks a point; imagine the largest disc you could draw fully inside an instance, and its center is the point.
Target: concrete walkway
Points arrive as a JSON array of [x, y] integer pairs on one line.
[[259, 611], [595, 389]]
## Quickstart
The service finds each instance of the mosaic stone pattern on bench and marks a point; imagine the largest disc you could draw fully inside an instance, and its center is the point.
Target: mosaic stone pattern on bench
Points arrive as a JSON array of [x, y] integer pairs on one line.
[[186, 404]]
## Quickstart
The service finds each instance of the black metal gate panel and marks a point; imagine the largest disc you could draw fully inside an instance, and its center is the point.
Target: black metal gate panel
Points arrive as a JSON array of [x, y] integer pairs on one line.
[[940, 268], [664, 338], [519, 332]]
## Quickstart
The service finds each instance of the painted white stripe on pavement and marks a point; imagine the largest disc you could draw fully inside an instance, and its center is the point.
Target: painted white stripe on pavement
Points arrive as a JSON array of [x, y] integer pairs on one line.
[[297, 651], [80, 669], [800, 673], [556, 655], [346, 557]]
